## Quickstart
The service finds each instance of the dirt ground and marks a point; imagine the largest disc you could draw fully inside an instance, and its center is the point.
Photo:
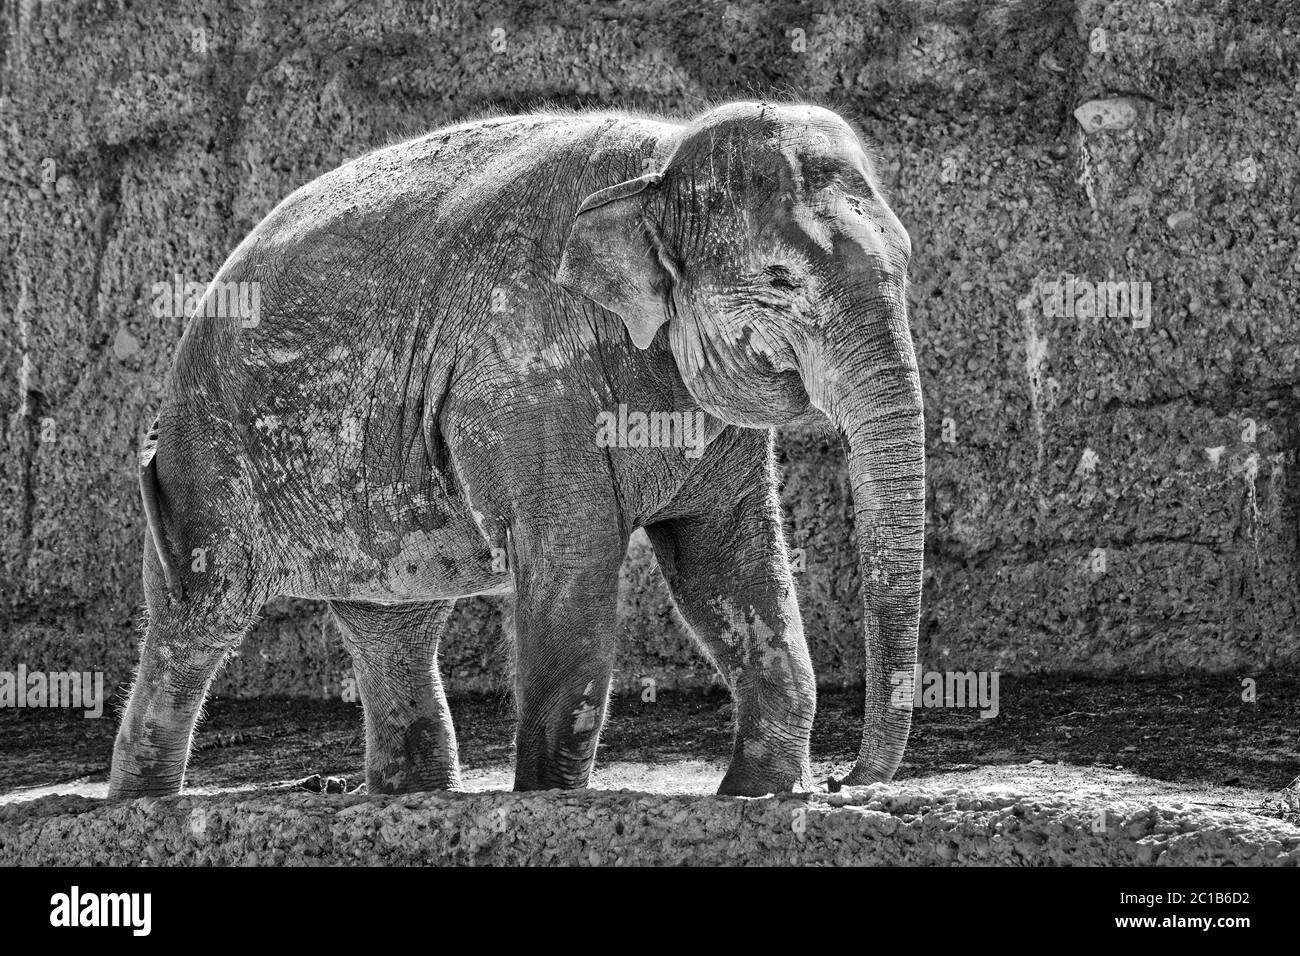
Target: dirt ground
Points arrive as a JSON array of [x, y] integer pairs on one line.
[[1190, 739]]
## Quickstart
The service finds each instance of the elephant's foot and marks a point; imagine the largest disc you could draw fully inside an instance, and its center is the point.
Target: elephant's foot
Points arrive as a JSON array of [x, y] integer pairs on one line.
[[861, 775], [401, 782], [418, 756], [760, 768], [564, 763], [134, 789], [144, 769]]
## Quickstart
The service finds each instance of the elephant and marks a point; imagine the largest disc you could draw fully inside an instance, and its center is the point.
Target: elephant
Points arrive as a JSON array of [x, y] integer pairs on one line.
[[411, 418]]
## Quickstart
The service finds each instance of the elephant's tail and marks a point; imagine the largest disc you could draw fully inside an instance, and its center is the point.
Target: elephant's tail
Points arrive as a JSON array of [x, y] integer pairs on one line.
[[149, 494]]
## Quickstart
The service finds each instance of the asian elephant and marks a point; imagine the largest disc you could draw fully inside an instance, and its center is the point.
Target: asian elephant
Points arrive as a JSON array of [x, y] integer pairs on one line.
[[414, 415]]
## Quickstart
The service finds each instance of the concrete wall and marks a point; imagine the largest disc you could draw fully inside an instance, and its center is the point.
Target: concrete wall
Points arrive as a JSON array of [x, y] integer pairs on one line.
[[1102, 497]]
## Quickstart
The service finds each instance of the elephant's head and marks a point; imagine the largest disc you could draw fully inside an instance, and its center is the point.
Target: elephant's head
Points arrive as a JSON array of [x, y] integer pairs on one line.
[[767, 256]]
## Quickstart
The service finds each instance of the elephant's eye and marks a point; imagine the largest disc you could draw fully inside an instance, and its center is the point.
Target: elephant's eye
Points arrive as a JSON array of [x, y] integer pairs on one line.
[[779, 277]]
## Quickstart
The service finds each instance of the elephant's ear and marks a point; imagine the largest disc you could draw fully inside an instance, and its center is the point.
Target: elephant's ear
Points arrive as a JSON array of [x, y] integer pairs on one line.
[[615, 256]]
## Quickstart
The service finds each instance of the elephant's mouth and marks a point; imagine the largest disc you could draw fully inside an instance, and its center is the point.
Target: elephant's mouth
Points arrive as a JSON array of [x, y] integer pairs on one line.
[[742, 384], [760, 399]]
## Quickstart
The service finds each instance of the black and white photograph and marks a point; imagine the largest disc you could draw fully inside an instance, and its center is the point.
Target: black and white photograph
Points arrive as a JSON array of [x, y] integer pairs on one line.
[[848, 433]]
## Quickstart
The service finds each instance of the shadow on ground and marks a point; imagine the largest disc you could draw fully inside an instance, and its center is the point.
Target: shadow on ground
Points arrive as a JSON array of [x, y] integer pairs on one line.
[[1193, 736]]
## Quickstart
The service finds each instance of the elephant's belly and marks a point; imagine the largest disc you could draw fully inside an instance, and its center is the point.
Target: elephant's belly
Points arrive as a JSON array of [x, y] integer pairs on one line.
[[422, 568], [392, 554]]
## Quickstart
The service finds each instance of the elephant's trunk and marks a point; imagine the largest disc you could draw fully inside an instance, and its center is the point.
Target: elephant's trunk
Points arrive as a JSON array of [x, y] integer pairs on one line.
[[880, 414]]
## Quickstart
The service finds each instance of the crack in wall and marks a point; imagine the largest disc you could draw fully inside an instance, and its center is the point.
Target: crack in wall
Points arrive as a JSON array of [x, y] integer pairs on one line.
[[31, 402]]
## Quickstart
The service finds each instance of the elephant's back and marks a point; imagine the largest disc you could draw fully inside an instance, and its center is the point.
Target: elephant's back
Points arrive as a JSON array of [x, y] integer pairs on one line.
[[403, 251], [443, 222], [513, 167]]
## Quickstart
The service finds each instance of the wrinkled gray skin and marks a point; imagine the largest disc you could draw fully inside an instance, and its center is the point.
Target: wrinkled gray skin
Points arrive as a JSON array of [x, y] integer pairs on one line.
[[441, 324]]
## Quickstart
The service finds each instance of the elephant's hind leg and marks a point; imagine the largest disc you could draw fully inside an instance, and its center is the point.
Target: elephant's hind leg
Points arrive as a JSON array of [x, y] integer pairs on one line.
[[185, 643], [410, 743]]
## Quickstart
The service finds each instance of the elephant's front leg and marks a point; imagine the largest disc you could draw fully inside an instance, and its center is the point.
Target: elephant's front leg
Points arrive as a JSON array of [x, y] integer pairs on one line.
[[730, 577], [565, 605]]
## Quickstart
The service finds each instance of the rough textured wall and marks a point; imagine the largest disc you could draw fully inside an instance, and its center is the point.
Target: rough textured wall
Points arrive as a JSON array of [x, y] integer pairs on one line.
[[1105, 492]]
